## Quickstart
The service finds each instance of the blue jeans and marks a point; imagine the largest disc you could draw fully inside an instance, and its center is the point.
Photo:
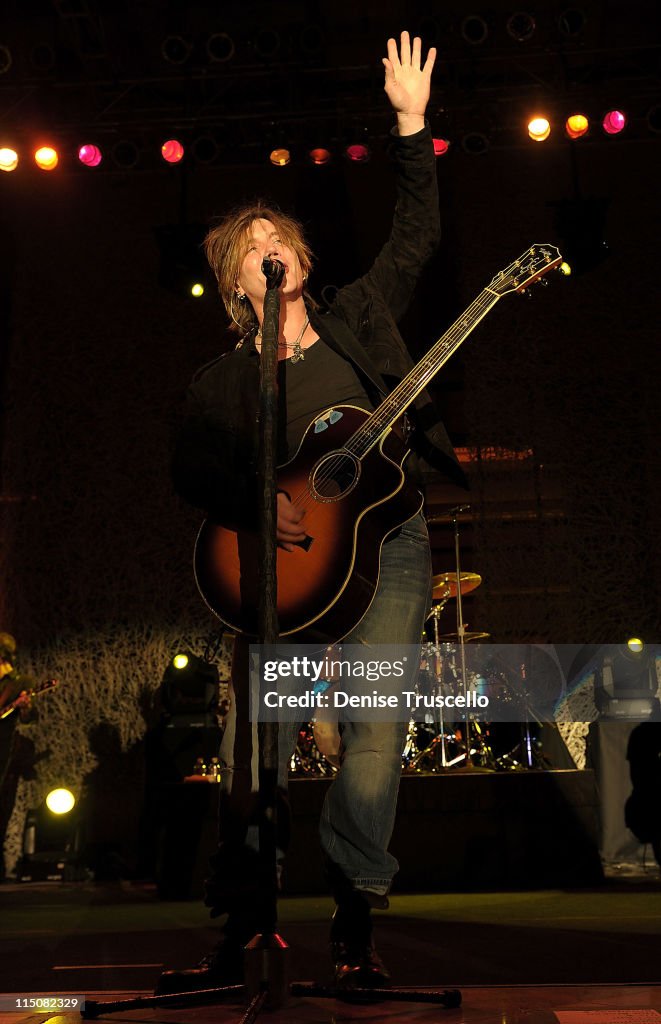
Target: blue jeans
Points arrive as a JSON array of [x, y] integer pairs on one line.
[[359, 810]]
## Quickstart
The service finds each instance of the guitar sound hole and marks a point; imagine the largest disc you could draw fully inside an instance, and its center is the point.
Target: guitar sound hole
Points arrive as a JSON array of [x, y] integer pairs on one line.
[[334, 476]]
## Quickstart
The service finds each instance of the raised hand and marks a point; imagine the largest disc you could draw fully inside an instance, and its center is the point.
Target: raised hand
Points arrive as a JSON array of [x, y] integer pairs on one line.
[[407, 84]]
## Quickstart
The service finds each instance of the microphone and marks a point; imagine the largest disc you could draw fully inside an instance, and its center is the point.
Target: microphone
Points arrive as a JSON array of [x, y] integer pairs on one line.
[[273, 271], [460, 508]]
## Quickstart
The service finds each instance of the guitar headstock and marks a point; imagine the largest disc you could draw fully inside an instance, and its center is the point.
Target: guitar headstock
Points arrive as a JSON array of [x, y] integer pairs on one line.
[[530, 267]]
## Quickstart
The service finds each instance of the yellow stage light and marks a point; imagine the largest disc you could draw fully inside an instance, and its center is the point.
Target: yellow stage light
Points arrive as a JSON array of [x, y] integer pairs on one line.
[[46, 158], [635, 644], [180, 660], [8, 159], [539, 129], [565, 269], [197, 291], [60, 801]]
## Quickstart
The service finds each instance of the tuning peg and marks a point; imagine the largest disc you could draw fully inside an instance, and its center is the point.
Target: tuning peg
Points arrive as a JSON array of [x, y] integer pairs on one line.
[[544, 282]]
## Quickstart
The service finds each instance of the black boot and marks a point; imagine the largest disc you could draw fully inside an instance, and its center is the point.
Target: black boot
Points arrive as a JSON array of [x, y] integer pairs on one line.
[[357, 964], [222, 966]]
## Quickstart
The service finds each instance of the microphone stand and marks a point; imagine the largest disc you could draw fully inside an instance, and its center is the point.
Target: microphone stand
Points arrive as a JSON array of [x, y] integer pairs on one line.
[[267, 954]]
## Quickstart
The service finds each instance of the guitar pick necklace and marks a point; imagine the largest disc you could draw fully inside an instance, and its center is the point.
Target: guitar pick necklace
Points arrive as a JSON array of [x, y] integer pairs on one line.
[[297, 352]]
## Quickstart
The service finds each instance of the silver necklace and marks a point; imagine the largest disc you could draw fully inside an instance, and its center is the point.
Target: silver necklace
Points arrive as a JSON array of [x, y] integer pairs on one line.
[[297, 352]]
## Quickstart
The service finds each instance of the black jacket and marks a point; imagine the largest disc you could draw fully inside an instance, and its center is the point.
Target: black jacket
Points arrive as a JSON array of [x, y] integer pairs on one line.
[[214, 464]]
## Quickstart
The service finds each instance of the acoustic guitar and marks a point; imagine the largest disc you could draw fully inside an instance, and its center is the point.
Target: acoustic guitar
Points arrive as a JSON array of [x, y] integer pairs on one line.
[[347, 475]]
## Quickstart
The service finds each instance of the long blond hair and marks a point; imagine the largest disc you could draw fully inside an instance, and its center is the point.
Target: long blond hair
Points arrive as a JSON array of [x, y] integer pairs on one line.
[[225, 247]]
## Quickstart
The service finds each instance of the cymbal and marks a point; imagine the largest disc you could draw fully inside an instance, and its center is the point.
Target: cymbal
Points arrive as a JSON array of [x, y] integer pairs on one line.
[[445, 584], [454, 637]]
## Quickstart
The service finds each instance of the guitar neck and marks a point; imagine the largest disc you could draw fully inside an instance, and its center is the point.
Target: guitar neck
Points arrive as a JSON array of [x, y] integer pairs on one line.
[[392, 407]]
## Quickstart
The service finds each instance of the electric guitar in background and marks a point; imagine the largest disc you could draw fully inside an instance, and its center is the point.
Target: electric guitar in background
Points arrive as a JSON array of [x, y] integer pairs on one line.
[[347, 475], [42, 688]]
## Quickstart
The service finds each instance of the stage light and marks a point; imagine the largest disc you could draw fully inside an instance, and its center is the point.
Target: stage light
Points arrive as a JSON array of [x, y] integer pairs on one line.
[[90, 155], [175, 49], [280, 157], [189, 695], [358, 152], [635, 644], [6, 59], [220, 48], [197, 290], [42, 57], [571, 21], [614, 122], [320, 156], [441, 147], [267, 43], [180, 661], [565, 269], [60, 801], [172, 151], [311, 39], [625, 682], [8, 159], [576, 125], [46, 158], [521, 26], [475, 143], [205, 149], [125, 154], [474, 29], [539, 129], [653, 119]]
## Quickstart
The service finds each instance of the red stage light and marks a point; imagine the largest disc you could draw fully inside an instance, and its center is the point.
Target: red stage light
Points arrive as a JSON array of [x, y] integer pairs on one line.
[[358, 152], [90, 155], [441, 146], [172, 151], [320, 156], [614, 122]]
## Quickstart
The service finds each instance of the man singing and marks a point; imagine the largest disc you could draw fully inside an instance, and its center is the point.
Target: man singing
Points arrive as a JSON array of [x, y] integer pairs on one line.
[[341, 355]]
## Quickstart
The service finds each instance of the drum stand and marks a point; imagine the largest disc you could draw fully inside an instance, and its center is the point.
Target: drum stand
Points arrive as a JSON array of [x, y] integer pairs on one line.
[[478, 739]]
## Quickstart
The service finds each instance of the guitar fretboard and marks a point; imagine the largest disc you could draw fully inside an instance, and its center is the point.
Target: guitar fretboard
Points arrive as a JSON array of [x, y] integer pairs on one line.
[[392, 407]]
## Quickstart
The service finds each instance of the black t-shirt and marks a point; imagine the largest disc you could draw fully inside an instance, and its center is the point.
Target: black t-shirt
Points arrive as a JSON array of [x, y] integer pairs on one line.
[[321, 379]]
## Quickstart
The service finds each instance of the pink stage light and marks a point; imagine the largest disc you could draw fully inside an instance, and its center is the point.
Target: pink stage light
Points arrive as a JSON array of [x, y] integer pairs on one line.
[[90, 155]]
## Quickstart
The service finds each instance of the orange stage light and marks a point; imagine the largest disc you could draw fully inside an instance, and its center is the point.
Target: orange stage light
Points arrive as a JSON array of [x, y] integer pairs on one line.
[[46, 158], [280, 157], [576, 125]]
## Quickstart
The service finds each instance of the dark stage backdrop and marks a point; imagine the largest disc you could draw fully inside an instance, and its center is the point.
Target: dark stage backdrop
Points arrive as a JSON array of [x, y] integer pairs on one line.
[[96, 557]]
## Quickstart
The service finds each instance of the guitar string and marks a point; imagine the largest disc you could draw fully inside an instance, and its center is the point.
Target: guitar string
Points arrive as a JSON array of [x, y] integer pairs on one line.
[[371, 432]]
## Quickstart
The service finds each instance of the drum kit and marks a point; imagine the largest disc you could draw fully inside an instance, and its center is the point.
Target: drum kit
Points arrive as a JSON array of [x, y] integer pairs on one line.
[[435, 742]]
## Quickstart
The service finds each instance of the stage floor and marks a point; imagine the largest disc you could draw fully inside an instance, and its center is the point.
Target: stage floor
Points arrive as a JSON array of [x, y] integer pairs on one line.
[[570, 1004], [516, 956]]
